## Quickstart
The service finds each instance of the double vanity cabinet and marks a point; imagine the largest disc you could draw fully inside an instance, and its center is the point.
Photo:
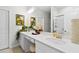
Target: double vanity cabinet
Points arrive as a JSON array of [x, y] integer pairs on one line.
[[27, 40], [45, 43]]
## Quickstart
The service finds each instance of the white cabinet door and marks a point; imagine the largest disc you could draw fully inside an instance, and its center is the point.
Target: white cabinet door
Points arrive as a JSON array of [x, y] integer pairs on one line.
[[42, 48], [3, 29], [25, 42]]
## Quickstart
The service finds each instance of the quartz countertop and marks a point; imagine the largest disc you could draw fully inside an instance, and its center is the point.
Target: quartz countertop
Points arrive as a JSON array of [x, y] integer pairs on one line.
[[65, 45]]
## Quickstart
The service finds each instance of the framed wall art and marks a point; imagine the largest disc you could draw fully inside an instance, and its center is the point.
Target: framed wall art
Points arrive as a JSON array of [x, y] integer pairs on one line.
[[19, 19]]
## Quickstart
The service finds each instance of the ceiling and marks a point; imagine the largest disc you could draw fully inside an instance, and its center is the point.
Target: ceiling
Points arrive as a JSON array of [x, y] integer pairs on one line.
[[42, 8], [46, 8], [58, 8]]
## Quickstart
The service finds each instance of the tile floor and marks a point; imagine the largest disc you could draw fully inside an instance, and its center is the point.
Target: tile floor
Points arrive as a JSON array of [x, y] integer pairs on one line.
[[12, 50]]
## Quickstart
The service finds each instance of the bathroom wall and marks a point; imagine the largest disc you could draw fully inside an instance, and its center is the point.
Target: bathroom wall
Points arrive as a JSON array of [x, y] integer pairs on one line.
[[69, 14], [39, 13], [54, 12], [12, 21]]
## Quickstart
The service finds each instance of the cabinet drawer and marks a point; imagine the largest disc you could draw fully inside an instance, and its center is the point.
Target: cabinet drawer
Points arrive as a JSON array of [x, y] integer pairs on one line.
[[42, 48]]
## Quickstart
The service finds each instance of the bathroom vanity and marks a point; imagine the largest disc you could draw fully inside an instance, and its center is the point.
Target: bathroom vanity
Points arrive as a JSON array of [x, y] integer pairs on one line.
[[45, 43]]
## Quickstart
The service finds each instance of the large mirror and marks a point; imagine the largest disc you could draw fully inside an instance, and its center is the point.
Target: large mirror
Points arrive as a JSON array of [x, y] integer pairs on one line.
[[58, 24]]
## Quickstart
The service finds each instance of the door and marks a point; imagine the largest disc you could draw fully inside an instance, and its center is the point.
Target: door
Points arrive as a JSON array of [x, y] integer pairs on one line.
[[59, 24], [3, 29]]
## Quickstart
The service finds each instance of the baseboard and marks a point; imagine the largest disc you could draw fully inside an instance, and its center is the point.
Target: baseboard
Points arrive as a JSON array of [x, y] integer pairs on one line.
[[12, 46]]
